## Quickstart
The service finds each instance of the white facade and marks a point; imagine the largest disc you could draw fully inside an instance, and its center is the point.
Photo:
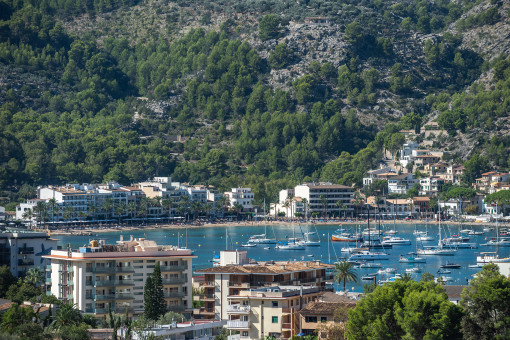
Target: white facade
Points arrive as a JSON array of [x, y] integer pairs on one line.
[[401, 183], [24, 250], [2, 213], [323, 197], [406, 152], [100, 276], [372, 175], [241, 196]]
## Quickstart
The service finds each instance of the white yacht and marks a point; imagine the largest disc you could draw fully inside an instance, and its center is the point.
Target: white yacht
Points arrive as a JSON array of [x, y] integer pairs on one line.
[[395, 240], [365, 255], [261, 239], [412, 259], [489, 257], [309, 242]]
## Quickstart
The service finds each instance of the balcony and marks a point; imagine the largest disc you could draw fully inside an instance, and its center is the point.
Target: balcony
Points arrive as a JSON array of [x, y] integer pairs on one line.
[[287, 310], [286, 326], [238, 309], [207, 284], [26, 262], [173, 268], [124, 296], [231, 324], [174, 281], [239, 284], [48, 280], [204, 311], [26, 251], [48, 268], [100, 270], [173, 294], [110, 283]]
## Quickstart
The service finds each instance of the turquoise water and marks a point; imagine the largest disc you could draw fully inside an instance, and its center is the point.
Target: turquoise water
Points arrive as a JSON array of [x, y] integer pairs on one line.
[[208, 241]]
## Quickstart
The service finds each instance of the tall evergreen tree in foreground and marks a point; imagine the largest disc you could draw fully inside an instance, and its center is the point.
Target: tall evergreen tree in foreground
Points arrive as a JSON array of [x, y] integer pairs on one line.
[[154, 303]]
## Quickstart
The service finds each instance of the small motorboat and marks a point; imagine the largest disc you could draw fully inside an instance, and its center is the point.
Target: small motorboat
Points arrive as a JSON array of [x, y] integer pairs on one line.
[[413, 270], [249, 245], [472, 232], [443, 272], [478, 265], [370, 265], [450, 265], [368, 277]]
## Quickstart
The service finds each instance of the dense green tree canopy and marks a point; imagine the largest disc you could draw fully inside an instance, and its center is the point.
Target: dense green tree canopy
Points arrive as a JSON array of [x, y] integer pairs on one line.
[[405, 310]]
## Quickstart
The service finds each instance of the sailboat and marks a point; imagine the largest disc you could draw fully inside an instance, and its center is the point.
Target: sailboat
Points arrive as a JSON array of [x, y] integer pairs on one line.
[[488, 257], [262, 238], [291, 244], [439, 249]]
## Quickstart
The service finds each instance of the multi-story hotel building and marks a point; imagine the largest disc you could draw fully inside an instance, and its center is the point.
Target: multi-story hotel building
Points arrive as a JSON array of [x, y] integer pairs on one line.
[[103, 276], [22, 250], [323, 197], [260, 299]]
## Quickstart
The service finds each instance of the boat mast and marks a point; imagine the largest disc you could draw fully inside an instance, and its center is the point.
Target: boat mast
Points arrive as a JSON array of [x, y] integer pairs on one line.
[[440, 243], [368, 224], [226, 239], [329, 254]]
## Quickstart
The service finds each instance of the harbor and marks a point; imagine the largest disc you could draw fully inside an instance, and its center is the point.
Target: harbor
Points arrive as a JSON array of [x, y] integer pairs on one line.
[[209, 241]]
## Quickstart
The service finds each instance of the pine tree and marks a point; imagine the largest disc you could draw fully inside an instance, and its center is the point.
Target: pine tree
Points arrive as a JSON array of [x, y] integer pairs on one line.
[[159, 298], [148, 295]]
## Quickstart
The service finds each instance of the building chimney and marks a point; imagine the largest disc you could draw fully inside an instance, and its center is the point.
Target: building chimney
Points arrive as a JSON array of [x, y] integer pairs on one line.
[[131, 237], [121, 238], [283, 266]]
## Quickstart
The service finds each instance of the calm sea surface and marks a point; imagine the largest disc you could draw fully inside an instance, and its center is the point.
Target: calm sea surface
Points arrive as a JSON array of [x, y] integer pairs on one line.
[[208, 241]]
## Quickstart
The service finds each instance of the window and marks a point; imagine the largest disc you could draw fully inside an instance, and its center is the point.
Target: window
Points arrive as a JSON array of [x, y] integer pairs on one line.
[[274, 319], [311, 319], [275, 303], [245, 333], [324, 319]]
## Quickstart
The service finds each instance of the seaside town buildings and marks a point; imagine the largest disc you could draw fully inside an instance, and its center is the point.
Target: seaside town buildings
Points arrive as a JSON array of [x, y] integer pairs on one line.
[[319, 198], [260, 299], [99, 276], [22, 250]]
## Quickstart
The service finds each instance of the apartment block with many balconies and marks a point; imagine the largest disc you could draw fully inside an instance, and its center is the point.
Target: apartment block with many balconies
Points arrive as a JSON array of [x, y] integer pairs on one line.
[[100, 277], [241, 291]]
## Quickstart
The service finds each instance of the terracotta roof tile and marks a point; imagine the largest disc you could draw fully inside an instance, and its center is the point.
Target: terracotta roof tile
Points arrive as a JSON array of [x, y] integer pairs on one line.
[[268, 268]]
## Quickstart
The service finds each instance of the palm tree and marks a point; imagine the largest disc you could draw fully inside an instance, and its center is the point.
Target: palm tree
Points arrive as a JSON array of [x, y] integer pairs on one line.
[[66, 315], [41, 209], [324, 202], [305, 206], [68, 212], [107, 207], [406, 277], [196, 207], [169, 204], [53, 205], [237, 208], [143, 208], [92, 211], [341, 206], [207, 208], [131, 207], [184, 205], [34, 276], [344, 272], [120, 209], [222, 204], [27, 215], [286, 205]]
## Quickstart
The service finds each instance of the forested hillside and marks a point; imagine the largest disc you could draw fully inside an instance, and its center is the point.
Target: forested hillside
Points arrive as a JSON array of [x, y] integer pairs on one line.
[[226, 94]]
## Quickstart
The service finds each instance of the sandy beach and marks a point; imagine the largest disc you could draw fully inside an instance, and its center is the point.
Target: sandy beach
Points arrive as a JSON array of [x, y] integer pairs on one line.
[[153, 226]]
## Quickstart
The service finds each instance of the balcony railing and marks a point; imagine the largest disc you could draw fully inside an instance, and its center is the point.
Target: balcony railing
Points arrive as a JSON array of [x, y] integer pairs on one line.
[[28, 262], [207, 284], [286, 326], [238, 309], [206, 311], [173, 294], [173, 268], [121, 296], [239, 284], [26, 251], [48, 268], [238, 324], [174, 281], [109, 283]]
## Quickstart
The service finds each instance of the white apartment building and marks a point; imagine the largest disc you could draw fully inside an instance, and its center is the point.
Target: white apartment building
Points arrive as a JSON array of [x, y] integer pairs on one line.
[[22, 250], [406, 152], [401, 183], [103, 276], [373, 175], [241, 196], [323, 197], [430, 186], [242, 291]]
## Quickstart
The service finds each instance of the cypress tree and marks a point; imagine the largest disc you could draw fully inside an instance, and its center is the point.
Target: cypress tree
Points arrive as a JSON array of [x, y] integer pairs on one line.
[[148, 296], [158, 296]]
